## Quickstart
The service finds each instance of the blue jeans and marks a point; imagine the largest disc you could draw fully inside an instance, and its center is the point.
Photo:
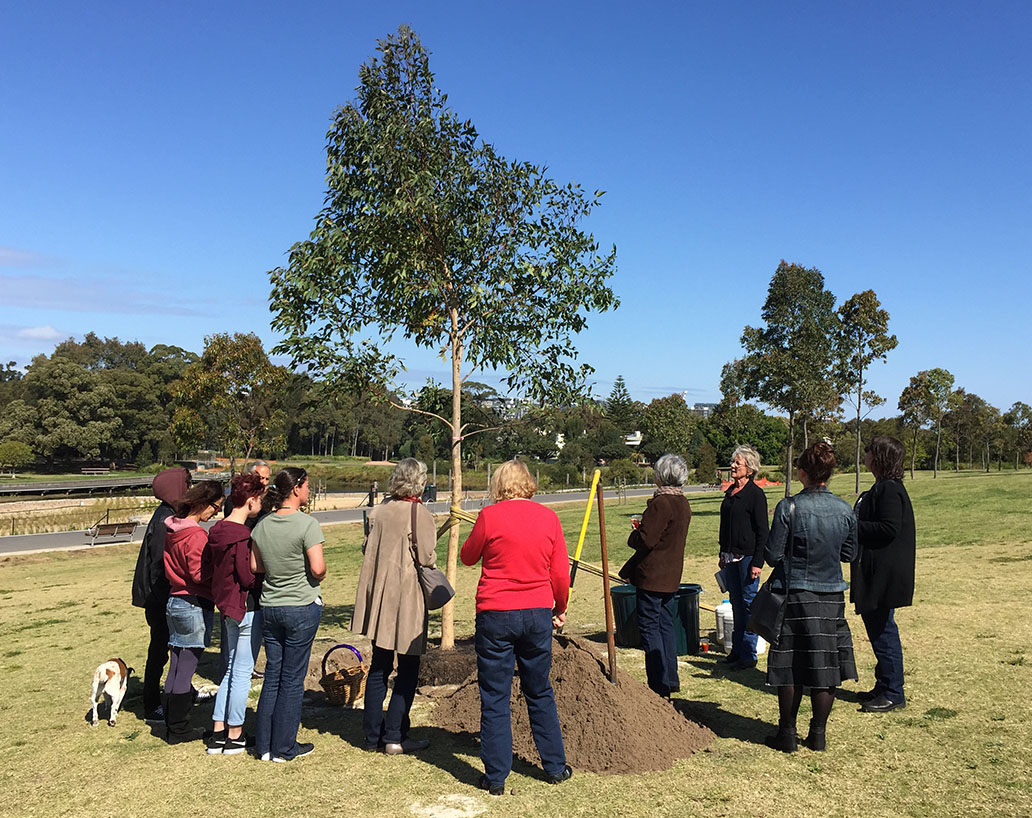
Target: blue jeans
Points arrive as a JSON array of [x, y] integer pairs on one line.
[[884, 636], [525, 635], [237, 646], [741, 590], [289, 631], [393, 729], [656, 626], [256, 641]]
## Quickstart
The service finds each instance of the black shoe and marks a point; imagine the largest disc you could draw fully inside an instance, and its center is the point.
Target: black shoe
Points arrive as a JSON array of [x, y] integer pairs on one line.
[[730, 659], [236, 746], [155, 716], [867, 695], [881, 705], [784, 740], [302, 751], [743, 664], [565, 775], [816, 739], [493, 789], [216, 743]]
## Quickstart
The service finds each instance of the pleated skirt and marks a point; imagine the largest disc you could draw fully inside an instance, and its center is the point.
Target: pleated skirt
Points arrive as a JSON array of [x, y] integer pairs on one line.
[[816, 647]]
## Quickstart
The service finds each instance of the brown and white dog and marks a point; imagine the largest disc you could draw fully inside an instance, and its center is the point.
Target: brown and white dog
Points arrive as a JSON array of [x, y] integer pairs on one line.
[[110, 681]]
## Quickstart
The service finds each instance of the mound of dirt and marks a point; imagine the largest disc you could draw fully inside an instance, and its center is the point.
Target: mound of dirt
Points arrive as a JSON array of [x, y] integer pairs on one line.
[[613, 728]]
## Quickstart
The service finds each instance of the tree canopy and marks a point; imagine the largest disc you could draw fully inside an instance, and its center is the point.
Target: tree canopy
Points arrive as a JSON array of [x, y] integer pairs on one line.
[[428, 235]]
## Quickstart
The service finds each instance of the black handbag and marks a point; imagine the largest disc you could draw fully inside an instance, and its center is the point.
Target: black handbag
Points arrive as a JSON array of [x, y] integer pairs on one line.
[[767, 610], [437, 591]]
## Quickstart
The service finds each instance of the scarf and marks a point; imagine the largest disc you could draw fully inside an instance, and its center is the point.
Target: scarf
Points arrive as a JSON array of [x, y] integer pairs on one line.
[[668, 490]]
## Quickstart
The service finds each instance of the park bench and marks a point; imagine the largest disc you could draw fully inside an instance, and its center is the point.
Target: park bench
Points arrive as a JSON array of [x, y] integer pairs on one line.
[[111, 530], [96, 472]]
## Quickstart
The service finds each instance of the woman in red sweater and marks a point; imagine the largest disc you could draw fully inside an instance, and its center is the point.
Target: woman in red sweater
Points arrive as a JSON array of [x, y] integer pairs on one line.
[[523, 590], [190, 610]]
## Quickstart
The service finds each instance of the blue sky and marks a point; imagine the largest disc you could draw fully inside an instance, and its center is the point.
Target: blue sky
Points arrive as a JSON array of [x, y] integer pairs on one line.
[[156, 160]]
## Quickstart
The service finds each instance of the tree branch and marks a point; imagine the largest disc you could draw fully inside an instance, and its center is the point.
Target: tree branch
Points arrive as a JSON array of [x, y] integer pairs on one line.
[[404, 408]]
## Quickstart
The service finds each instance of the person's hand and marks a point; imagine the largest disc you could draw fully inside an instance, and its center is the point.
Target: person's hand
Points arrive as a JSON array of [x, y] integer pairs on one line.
[[722, 565], [754, 572], [559, 620]]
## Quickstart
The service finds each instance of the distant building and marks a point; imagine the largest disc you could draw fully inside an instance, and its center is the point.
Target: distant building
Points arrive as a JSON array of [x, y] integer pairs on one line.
[[704, 410], [633, 439]]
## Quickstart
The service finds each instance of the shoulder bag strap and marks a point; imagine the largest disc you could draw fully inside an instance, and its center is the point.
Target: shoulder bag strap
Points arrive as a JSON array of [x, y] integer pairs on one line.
[[413, 540]]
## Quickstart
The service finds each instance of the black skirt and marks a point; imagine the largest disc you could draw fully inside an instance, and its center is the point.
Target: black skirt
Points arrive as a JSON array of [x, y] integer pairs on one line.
[[816, 648]]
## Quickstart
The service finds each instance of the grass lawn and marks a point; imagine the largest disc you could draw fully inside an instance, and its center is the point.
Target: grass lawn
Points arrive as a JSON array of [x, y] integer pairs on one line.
[[962, 747]]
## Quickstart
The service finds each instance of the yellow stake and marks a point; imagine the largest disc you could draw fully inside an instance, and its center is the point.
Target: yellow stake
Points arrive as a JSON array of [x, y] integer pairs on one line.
[[584, 525]]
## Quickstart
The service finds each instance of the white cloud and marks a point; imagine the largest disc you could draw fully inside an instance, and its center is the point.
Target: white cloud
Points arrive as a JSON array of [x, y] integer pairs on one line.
[[45, 333], [13, 257]]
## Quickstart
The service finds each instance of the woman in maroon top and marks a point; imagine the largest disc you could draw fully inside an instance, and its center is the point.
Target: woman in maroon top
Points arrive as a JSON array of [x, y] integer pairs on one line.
[[232, 583], [523, 590]]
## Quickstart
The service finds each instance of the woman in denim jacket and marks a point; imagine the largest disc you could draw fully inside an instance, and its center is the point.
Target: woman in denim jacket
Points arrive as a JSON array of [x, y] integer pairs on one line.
[[814, 532]]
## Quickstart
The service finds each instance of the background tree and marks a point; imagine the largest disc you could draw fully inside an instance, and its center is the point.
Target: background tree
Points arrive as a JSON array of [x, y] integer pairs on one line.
[[939, 398], [864, 340], [667, 427], [789, 361], [1018, 420], [622, 411], [14, 454], [706, 464], [234, 393], [428, 233]]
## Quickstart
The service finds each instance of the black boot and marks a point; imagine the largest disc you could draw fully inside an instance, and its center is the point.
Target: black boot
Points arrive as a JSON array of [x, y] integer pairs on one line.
[[783, 740], [177, 718], [816, 739]]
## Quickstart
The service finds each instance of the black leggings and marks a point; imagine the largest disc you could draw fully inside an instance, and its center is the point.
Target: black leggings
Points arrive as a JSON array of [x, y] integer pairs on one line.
[[790, 697]]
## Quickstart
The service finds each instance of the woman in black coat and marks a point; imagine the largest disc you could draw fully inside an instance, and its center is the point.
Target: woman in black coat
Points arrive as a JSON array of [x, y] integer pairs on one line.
[[883, 578]]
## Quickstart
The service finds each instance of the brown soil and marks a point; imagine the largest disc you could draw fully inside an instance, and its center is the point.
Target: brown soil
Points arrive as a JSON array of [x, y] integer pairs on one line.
[[607, 728], [448, 667]]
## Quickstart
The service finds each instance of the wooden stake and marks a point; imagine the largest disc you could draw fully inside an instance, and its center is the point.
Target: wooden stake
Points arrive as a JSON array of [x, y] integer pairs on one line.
[[610, 624]]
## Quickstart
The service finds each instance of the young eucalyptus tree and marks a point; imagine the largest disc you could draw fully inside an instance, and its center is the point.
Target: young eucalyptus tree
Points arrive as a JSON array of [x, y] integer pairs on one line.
[[789, 362], [428, 235], [864, 339]]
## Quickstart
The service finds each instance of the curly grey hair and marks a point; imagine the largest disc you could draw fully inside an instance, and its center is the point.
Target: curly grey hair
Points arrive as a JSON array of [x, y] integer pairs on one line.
[[670, 470], [407, 479], [749, 456]]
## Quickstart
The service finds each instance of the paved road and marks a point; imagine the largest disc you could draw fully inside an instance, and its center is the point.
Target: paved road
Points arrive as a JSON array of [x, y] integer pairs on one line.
[[70, 540]]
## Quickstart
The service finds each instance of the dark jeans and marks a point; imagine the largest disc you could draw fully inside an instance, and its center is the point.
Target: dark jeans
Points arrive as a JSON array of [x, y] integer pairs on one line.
[[289, 631], [394, 729], [884, 636], [157, 653], [656, 626], [525, 635], [741, 590]]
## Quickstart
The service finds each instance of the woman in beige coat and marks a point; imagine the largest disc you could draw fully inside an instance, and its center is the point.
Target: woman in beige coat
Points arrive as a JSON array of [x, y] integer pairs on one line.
[[390, 608]]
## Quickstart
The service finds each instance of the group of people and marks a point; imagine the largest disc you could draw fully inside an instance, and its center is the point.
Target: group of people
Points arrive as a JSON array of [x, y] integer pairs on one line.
[[264, 579], [262, 564], [810, 536], [264, 582]]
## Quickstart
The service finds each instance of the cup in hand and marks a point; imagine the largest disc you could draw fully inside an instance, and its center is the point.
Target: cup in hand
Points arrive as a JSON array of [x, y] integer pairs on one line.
[[635, 520]]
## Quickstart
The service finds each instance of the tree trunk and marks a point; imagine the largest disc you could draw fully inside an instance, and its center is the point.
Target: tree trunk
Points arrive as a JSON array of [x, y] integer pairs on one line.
[[913, 453], [935, 463], [806, 433], [859, 399], [788, 459], [448, 612]]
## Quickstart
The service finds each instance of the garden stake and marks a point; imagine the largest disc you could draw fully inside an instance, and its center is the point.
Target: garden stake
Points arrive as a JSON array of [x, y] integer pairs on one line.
[[584, 527], [610, 626]]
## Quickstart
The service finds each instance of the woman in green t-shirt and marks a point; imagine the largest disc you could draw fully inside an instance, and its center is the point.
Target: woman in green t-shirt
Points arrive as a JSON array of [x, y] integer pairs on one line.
[[288, 549]]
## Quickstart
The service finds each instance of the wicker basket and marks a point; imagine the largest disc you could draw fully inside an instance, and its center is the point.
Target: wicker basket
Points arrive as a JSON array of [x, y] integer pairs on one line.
[[345, 685]]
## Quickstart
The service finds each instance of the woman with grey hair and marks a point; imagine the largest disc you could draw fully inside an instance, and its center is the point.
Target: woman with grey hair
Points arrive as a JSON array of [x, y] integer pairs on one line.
[[742, 538], [390, 608], [655, 570]]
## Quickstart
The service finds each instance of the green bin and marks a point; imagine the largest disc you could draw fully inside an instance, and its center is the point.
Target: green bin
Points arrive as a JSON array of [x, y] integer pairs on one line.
[[686, 617], [686, 620], [625, 612]]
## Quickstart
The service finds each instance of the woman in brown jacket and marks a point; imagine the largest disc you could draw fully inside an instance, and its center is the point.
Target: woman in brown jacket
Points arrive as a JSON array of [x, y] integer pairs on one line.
[[390, 608], [655, 570]]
